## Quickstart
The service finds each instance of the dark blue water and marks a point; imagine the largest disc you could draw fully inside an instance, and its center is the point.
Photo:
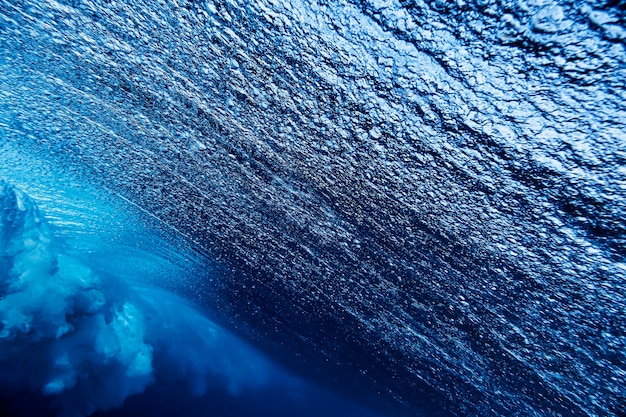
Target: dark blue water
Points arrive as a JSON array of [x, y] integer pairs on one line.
[[312, 207]]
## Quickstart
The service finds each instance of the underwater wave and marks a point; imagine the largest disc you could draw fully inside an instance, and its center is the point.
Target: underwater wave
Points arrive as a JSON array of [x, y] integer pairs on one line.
[[421, 201], [78, 339]]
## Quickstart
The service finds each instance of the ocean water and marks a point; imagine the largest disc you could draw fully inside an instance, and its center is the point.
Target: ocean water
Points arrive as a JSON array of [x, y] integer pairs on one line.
[[92, 323], [357, 207]]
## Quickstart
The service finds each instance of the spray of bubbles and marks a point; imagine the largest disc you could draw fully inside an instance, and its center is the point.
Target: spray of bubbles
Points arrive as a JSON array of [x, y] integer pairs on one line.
[[89, 342]]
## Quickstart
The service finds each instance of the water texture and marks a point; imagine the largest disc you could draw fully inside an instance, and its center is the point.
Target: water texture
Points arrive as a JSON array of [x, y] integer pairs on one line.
[[91, 325], [426, 199]]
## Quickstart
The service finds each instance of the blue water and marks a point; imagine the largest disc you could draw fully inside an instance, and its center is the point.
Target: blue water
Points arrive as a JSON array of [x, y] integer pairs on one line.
[[92, 325], [313, 207]]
